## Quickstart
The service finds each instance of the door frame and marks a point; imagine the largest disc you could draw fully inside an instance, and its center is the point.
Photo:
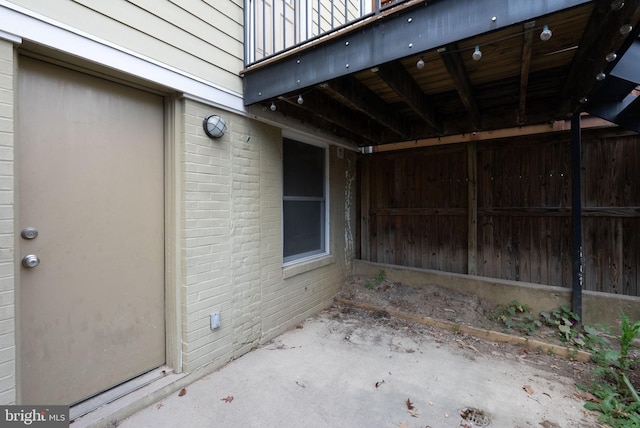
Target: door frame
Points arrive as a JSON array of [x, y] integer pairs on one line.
[[173, 125]]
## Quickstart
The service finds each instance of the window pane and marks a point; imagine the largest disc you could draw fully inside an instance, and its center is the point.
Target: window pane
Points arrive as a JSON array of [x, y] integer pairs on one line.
[[303, 169], [303, 228]]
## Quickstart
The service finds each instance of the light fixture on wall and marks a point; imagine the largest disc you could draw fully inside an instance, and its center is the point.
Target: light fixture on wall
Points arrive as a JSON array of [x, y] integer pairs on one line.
[[214, 126], [273, 106], [601, 76], [546, 33], [611, 56], [477, 54], [420, 63], [300, 99]]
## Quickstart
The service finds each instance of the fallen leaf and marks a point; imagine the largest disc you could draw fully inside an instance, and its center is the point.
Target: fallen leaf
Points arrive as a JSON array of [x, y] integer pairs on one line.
[[299, 326], [182, 392], [403, 426], [379, 383], [159, 405], [528, 389], [227, 399], [414, 413], [587, 396], [410, 405]]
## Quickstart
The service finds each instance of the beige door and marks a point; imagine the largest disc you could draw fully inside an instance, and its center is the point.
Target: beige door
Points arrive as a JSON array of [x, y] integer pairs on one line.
[[91, 183]]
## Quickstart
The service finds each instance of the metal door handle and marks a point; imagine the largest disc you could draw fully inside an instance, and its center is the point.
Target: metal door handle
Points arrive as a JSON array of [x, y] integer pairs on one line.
[[30, 261]]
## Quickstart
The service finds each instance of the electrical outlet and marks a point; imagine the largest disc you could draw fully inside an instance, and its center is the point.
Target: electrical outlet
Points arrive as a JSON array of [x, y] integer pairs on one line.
[[215, 320]]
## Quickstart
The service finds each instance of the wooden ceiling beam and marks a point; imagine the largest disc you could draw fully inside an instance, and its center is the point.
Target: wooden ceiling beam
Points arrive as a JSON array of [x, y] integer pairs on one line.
[[600, 37], [352, 93], [527, 44], [399, 79], [458, 72], [321, 106]]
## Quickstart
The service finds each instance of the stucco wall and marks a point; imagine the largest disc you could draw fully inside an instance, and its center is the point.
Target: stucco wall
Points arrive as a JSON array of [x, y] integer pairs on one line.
[[233, 240], [7, 279]]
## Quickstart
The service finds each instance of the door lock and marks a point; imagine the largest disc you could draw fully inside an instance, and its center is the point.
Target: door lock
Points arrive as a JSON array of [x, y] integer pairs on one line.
[[29, 233], [30, 261]]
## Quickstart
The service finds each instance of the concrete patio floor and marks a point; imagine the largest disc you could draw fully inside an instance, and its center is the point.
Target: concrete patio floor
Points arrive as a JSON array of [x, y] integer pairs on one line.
[[349, 368]]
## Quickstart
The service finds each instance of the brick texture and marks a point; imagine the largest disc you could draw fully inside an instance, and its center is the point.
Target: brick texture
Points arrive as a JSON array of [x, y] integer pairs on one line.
[[233, 240], [7, 278]]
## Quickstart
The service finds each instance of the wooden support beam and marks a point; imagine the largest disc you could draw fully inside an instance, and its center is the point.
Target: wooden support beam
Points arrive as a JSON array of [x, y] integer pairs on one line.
[[527, 43], [520, 131], [398, 79], [331, 111], [455, 66], [357, 96]]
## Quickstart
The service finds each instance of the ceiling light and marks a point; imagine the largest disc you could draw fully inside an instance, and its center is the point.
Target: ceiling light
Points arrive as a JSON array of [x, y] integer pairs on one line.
[[420, 63], [626, 29], [273, 106], [300, 99], [617, 5], [600, 76], [583, 100], [611, 56], [545, 34], [477, 54]]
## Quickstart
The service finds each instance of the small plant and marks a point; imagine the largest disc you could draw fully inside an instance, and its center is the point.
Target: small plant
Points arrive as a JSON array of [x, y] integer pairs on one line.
[[516, 316], [618, 400], [373, 283], [568, 324]]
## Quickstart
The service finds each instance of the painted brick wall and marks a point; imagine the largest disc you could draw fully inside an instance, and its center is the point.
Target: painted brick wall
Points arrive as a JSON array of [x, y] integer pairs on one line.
[[233, 240], [206, 247], [245, 232], [293, 294], [7, 279]]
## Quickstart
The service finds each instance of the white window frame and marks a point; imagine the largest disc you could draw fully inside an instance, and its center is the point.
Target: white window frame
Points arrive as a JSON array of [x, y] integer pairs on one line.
[[325, 227]]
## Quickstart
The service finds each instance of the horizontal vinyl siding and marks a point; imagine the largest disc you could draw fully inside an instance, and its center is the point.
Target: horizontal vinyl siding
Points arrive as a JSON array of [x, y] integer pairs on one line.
[[202, 38]]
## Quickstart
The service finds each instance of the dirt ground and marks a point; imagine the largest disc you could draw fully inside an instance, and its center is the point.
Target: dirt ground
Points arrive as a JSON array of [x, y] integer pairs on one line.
[[462, 309]]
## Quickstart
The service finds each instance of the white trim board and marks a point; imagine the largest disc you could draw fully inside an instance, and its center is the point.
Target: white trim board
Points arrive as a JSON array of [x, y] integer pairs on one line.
[[18, 23]]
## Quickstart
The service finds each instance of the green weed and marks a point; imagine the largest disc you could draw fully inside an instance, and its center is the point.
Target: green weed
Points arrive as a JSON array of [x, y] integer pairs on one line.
[[379, 278], [618, 400]]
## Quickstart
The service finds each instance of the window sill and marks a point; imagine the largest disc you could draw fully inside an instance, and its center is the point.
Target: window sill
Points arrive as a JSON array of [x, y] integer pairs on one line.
[[307, 265]]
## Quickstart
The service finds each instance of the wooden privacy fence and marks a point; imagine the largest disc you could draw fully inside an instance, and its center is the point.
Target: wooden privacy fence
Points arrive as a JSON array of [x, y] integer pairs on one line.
[[502, 209]]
